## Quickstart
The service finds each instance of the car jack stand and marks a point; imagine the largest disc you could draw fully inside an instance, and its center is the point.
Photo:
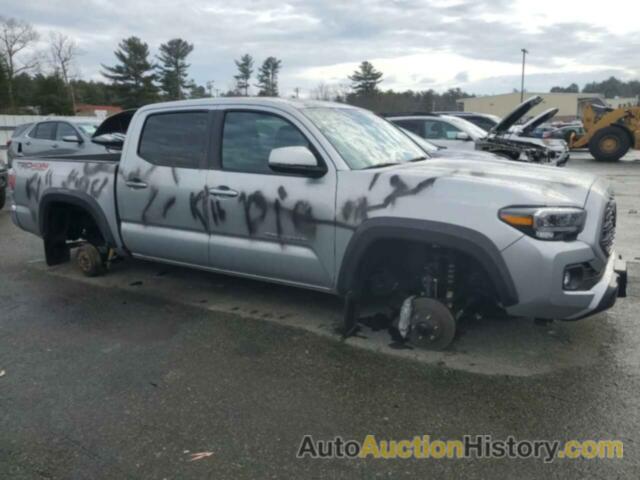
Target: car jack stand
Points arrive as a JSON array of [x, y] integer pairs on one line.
[[350, 319]]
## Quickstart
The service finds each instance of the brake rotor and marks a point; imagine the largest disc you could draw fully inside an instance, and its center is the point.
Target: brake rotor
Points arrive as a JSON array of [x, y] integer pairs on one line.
[[432, 325]]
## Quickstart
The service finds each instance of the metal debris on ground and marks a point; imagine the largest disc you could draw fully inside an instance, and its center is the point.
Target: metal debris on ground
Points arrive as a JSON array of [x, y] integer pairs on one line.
[[200, 456]]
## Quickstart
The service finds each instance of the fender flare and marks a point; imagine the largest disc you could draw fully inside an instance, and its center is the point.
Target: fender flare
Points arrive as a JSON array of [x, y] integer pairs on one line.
[[470, 242], [77, 199]]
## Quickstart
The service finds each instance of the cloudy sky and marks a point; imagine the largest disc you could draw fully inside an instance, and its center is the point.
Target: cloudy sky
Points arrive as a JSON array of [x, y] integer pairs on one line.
[[418, 44]]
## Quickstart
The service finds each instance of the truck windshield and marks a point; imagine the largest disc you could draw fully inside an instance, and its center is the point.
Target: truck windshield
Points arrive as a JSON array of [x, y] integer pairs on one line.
[[363, 139]]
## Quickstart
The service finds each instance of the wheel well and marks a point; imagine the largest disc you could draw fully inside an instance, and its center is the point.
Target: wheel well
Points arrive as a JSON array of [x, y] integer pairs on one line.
[[73, 222], [62, 222], [397, 268]]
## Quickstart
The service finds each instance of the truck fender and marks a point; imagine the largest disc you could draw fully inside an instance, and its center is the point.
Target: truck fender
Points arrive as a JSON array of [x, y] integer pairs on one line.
[[78, 199], [468, 241]]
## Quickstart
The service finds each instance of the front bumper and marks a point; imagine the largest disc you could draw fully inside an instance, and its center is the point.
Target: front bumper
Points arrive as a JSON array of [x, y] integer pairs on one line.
[[537, 269], [614, 289]]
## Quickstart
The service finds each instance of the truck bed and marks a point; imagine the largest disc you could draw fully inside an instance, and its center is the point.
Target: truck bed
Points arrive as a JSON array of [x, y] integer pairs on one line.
[[89, 179]]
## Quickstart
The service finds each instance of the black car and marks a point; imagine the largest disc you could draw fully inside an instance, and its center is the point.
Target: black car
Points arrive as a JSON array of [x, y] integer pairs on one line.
[[3, 184]]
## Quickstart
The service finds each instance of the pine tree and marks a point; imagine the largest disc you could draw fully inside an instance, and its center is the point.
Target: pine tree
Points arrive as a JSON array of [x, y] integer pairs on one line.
[[268, 77], [365, 80], [172, 72], [133, 76], [245, 70]]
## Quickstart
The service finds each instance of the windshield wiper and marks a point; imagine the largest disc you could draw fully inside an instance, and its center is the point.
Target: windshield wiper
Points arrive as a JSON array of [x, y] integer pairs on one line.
[[380, 165], [418, 159]]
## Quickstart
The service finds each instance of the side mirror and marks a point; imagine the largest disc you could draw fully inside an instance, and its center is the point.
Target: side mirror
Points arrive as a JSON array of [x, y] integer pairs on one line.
[[463, 136], [71, 139], [112, 141], [298, 160]]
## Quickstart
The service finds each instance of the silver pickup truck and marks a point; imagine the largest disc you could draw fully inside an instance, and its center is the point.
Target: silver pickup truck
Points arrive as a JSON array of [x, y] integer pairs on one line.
[[333, 198]]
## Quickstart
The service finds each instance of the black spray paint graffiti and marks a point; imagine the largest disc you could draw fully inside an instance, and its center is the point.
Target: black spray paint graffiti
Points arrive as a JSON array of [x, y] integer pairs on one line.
[[85, 181], [32, 187], [168, 205], [195, 200], [255, 206], [152, 197]]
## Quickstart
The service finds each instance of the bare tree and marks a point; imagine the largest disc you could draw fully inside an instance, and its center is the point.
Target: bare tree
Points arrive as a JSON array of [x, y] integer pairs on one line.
[[15, 37], [63, 52], [322, 92]]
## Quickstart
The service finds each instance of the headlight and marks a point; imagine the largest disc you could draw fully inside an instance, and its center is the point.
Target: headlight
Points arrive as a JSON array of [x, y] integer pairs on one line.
[[546, 223]]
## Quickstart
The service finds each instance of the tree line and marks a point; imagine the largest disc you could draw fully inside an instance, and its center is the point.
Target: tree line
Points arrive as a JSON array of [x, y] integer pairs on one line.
[[46, 82], [610, 88]]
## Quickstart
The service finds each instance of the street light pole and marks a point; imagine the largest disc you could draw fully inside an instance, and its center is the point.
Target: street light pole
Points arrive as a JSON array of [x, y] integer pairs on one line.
[[524, 54]]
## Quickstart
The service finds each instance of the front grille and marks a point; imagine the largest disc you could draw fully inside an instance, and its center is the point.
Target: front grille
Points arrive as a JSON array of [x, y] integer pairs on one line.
[[608, 233]]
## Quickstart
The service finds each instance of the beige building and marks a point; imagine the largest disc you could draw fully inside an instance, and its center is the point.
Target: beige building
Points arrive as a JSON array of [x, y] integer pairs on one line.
[[569, 104], [622, 102]]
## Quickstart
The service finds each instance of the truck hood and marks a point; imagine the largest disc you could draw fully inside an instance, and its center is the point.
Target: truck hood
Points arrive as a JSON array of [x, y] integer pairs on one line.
[[519, 112], [535, 122], [523, 184]]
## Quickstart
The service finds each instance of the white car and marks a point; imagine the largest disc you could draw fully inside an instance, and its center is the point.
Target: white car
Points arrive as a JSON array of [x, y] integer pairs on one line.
[[442, 130]]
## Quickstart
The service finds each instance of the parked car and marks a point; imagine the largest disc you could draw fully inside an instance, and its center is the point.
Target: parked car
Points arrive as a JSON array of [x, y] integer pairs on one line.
[[504, 139], [3, 184], [513, 143], [485, 121], [539, 132], [330, 197], [53, 137], [566, 133], [441, 130]]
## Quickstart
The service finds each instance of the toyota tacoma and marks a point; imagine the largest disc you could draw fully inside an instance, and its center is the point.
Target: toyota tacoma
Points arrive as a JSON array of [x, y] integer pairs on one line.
[[333, 198]]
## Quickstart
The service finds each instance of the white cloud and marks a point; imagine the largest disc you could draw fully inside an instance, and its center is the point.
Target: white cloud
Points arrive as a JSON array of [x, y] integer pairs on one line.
[[417, 43]]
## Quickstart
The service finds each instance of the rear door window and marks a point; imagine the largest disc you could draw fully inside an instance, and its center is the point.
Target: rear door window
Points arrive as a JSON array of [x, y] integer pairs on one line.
[[436, 129], [44, 131], [175, 139], [66, 130], [414, 126]]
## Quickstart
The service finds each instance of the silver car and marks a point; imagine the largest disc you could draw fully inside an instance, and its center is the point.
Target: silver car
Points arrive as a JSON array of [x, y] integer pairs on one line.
[[53, 137]]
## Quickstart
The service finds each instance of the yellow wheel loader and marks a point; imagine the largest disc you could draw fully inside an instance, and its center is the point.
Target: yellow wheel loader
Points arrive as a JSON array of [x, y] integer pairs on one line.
[[610, 133]]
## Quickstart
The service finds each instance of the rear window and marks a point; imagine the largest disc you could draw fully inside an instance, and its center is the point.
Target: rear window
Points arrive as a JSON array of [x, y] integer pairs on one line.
[[177, 139], [20, 129], [44, 131]]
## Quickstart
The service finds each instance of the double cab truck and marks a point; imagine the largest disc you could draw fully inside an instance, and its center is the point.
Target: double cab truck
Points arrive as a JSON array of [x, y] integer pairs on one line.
[[332, 198]]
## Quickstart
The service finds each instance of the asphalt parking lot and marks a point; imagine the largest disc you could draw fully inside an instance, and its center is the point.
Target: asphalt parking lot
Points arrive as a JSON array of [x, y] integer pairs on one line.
[[129, 375]]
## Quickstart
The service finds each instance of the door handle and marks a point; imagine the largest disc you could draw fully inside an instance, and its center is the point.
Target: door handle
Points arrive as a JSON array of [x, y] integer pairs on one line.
[[55, 145], [27, 143], [223, 191], [136, 184]]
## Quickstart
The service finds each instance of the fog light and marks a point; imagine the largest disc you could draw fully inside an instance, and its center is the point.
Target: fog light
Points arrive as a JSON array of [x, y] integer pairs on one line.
[[573, 277]]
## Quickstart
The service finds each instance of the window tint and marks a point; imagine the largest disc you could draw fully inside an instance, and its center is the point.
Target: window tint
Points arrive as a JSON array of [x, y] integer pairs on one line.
[[65, 130], [249, 137], [414, 126], [436, 129], [45, 131], [175, 139]]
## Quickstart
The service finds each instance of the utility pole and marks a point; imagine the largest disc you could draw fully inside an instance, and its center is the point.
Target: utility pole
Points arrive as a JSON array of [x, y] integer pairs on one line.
[[210, 84], [524, 55]]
